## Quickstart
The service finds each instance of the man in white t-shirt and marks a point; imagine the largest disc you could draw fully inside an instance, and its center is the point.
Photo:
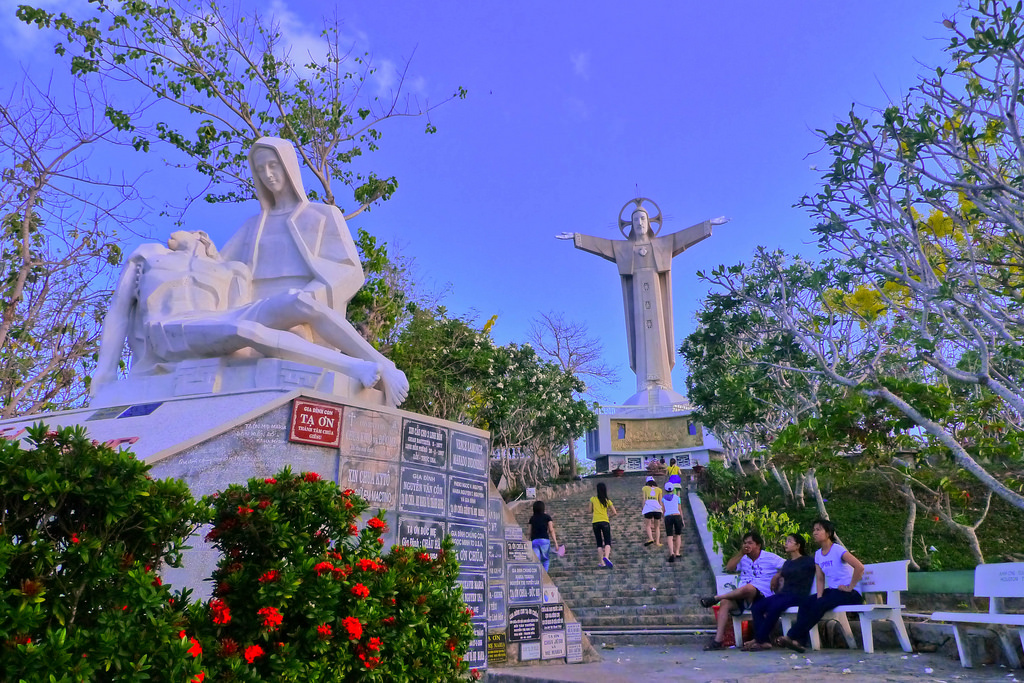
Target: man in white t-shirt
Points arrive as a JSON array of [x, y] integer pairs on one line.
[[756, 567]]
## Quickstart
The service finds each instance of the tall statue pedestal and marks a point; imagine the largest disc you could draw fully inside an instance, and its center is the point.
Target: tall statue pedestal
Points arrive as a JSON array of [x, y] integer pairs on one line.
[[652, 425], [430, 475]]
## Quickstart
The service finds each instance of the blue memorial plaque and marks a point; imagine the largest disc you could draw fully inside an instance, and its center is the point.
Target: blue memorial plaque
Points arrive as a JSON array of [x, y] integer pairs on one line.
[[469, 455], [524, 583], [421, 492], [495, 516], [467, 499], [424, 444], [495, 560], [476, 655], [496, 605], [474, 593], [414, 532], [470, 545]]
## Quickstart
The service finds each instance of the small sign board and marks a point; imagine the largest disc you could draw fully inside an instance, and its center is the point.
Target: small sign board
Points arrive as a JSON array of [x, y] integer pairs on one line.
[[552, 617], [551, 594], [467, 499], [476, 655], [474, 593], [513, 533], [531, 492], [495, 560], [315, 423], [424, 444], [552, 645], [469, 455], [574, 652], [574, 632], [528, 651], [421, 492], [496, 606], [470, 543], [414, 532], [497, 649], [518, 551], [523, 623], [524, 583]]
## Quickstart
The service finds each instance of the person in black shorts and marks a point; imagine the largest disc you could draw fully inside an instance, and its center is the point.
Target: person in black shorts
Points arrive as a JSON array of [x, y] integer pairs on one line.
[[673, 521], [601, 507]]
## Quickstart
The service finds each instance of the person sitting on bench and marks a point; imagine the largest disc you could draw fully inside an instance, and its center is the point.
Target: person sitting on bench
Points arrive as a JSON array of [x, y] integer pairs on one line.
[[757, 567]]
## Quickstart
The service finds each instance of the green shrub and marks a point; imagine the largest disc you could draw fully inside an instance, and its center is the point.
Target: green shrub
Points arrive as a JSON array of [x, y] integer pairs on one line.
[[302, 592], [83, 531], [728, 528]]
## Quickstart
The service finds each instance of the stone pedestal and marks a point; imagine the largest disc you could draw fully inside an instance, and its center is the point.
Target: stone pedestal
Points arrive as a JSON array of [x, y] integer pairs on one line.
[[431, 476]]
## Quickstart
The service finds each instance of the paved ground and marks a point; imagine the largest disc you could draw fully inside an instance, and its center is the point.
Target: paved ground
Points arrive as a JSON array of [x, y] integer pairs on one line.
[[638, 664]]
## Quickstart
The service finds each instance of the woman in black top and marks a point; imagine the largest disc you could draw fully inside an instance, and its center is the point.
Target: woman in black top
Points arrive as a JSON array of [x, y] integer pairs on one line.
[[791, 584], [542, 533]]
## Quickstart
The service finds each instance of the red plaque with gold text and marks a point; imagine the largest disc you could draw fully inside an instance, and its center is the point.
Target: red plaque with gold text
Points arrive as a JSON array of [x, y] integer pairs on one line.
[[315, 423]]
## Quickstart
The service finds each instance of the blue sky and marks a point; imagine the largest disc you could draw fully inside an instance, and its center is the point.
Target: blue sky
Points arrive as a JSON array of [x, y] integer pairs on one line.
[[574, 108]]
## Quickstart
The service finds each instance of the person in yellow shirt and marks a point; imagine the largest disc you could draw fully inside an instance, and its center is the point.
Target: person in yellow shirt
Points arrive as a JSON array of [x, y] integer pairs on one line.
[[673, 468], [652, 512], [600, 509]]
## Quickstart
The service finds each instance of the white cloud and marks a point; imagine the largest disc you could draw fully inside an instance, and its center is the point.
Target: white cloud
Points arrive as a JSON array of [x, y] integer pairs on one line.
[[581, 64], [19, 37]]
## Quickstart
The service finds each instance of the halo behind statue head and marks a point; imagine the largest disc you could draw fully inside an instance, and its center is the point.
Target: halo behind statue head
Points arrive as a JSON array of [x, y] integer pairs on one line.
[[638, 204]]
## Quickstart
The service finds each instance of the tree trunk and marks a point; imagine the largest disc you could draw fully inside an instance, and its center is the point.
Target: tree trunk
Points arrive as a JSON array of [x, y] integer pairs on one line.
[[908, 528], [572, 459], [801, 484], [783, 480]]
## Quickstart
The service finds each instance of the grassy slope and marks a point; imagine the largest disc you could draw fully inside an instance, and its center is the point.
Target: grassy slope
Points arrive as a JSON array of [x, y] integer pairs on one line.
[[870, 517]]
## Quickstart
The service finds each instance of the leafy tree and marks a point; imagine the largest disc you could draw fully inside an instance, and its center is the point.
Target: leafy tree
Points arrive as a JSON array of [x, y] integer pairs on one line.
[[531, 408], [230, 78], [569, 345], [302, 593], [82, 533], [58, 241], [446, 360]]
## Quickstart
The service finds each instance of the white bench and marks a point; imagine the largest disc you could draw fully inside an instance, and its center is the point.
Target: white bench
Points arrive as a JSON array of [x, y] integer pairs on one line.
[[887, 578], [992, 581]]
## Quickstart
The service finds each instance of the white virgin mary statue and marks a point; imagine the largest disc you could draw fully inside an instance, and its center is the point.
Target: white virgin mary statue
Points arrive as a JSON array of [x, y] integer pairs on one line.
[[644, 260], [303, 261]]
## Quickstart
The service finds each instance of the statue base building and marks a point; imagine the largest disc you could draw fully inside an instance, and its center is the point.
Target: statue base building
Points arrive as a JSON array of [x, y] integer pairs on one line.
[[653, 425], [431, 476]]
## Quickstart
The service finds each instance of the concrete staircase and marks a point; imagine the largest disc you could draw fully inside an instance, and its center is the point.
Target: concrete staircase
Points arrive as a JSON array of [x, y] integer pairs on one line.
[[644, 599]]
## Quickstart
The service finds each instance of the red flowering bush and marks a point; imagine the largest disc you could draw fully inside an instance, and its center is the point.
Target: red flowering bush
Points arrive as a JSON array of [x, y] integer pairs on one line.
[[302, 592], [83, 531]]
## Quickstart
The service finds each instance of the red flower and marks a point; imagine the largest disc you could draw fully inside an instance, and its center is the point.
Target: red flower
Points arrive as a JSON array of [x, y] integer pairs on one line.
[[390, 621], [367, 565], [342, 572], [243, 510], [30, 588], [269, 575], [353, 529], [323, 568], [371, 662], [263, 504], [196, 648], [271, 617], [354, 628], [377, 523], [228, 647], [347, 492], [469, 611], [360, 591], [423, 557], [20, 639], [252, 652], [474, 674], [200, 677], [936, 518], [324, 631], [74, 538], [270, 480], [374, 644], [219, 612], [311, 476], [157, 581], [451, 644], [348, 505]]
